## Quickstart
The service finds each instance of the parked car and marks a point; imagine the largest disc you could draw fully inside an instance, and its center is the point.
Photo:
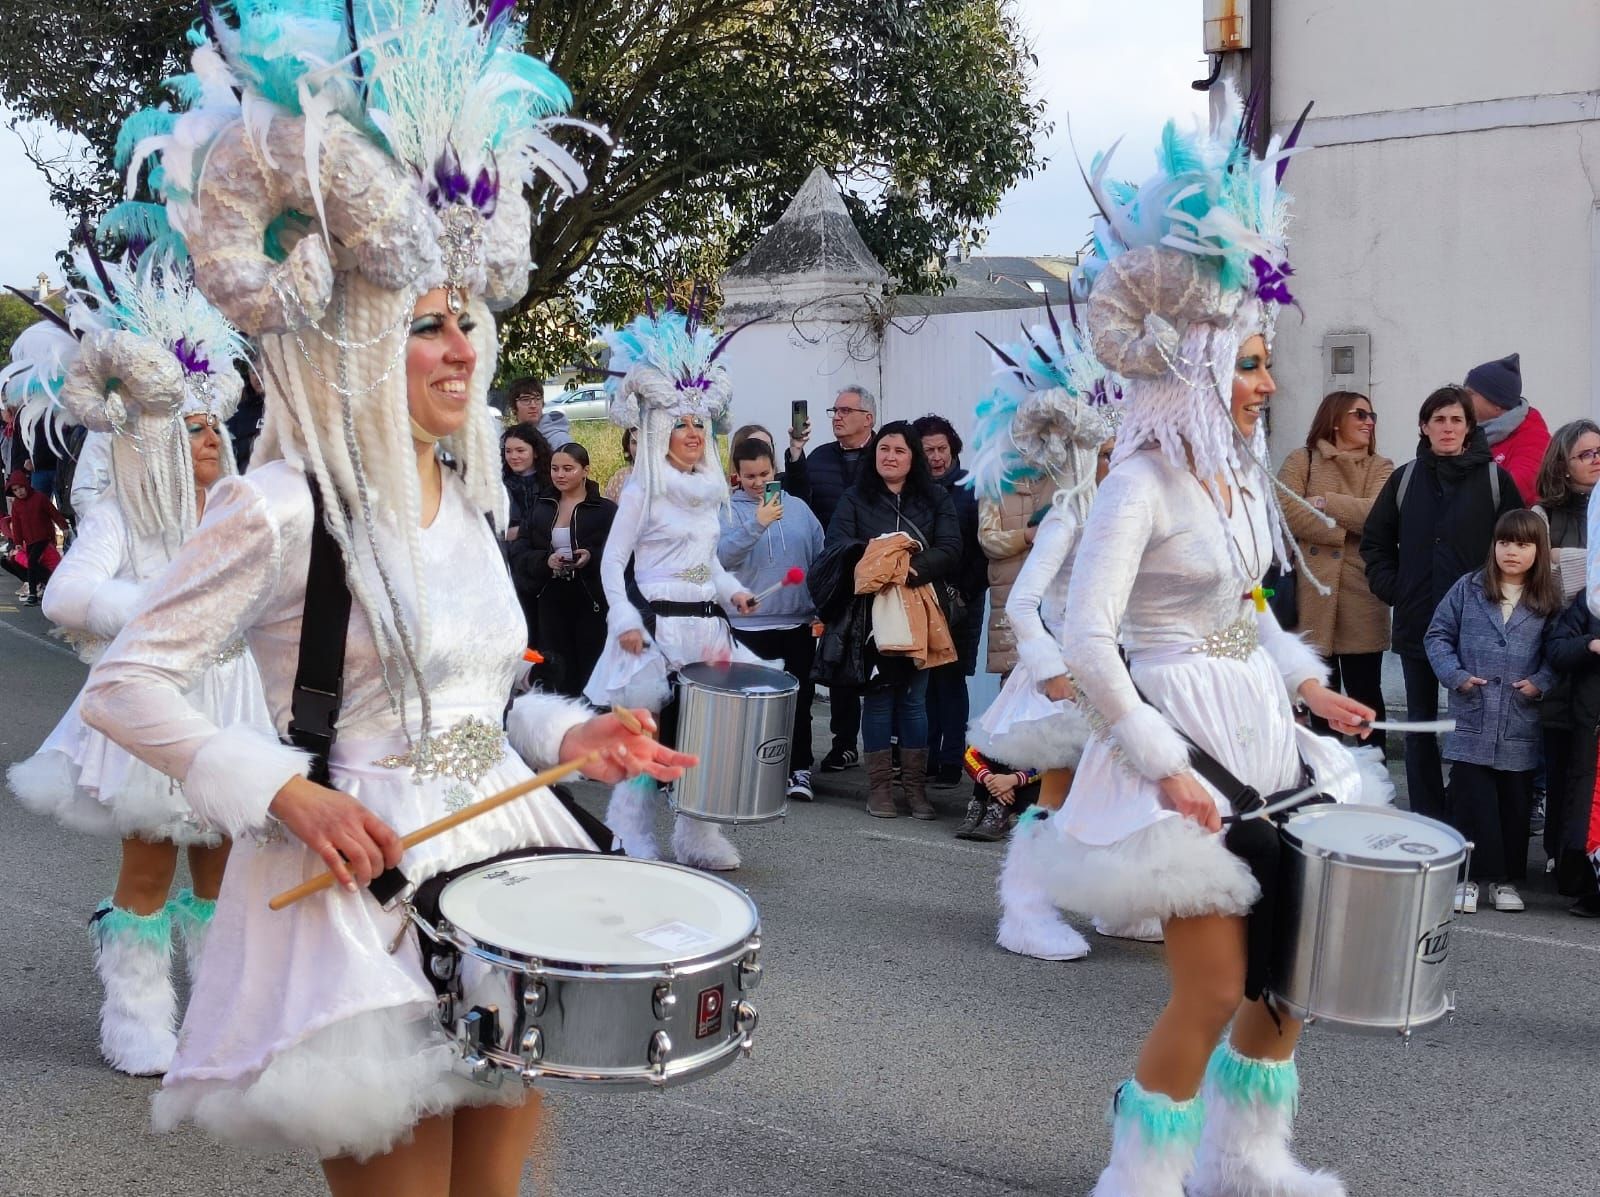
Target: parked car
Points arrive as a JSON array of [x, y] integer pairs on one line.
[[585, 403]]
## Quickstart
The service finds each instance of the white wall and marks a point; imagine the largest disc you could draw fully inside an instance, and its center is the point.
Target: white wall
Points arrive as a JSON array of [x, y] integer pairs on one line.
[[1451, 236]]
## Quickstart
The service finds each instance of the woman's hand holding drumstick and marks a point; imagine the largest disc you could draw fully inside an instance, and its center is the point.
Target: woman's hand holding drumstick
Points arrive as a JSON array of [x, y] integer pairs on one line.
[[357, 845]]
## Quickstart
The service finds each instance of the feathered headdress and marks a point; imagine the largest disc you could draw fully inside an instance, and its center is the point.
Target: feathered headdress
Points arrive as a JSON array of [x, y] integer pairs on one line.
[[1051, 408], [663, 367], [31, 384]]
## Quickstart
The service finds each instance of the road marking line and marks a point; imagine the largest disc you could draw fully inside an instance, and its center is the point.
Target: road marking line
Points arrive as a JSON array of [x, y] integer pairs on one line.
[[922, 843], [40, 640], [1548, 941]]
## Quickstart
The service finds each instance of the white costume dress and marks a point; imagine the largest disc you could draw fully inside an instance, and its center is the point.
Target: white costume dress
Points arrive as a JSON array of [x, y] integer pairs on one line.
[[672, 541], [1022, 726], [1156, 565], [78, 775], [303, 1030]]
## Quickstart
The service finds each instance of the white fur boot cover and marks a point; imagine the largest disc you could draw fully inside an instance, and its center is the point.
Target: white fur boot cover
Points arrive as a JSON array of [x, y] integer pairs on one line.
[[631, 815], [1244, 1149], [191, 917], [1152, 1143], [703, 845], [133, 955], [1030, 925]]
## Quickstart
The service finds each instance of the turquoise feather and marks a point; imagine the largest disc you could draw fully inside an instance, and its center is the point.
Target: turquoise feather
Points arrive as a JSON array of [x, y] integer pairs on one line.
[[147, 122]]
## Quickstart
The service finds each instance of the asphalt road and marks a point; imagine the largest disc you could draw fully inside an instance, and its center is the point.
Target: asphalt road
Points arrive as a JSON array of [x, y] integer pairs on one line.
[[900, 1052]]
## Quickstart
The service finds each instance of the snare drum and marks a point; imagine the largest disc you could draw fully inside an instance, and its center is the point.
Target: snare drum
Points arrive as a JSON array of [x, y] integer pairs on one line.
[[579, 969], [737, 719], [1366, 901]]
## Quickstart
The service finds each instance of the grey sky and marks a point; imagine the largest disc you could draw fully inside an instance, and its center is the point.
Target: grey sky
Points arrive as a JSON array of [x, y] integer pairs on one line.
[[1118, 69]]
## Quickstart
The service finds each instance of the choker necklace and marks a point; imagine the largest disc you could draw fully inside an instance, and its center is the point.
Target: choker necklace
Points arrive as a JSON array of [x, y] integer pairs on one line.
[[422, 435]]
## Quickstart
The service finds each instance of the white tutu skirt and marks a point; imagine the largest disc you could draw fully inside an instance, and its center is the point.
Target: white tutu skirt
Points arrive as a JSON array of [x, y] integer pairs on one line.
[[1121, 855], [89, 783], [1024, 729], [303, 1031], [640, 679]]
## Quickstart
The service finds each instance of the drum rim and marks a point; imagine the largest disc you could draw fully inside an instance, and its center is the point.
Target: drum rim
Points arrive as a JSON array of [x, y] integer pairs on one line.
[[1323, 810], [686, 677], [492, 953]]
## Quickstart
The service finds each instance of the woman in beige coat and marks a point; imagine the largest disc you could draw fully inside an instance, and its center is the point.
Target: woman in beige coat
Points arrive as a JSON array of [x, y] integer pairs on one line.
[[1341, 474]]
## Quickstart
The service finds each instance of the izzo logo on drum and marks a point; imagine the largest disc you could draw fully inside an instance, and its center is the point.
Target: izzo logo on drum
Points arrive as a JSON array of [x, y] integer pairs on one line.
[[1434, 946], [774, 751]]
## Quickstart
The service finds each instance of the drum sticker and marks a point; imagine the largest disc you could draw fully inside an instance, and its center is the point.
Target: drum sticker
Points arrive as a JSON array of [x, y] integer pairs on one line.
[[708, 1019], [774, 751], [1434, 946], [1418, 848], [1379, 842], [677, 937]]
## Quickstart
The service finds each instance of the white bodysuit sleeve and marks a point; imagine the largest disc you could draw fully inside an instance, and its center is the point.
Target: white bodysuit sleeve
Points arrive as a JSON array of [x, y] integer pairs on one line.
[[1036, 647], [1121, 524], [1296, 660], [88, 593], [622, 615], [92, 479], [220, 583]]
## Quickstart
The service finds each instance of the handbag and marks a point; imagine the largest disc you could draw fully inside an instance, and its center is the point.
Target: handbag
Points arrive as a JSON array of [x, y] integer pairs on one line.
[[891, 625]]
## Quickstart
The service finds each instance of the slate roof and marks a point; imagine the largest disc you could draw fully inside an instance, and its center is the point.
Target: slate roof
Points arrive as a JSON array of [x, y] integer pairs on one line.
[[815, 236]]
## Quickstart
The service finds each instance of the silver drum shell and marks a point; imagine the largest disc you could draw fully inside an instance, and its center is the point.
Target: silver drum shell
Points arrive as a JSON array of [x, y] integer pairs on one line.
[[1365, 945], [563, 1025], [738, 720]]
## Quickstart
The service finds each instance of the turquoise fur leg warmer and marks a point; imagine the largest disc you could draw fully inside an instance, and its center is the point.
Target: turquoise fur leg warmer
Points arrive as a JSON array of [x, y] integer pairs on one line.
[[1159, 1121], [191, 914], [112, 924], [1245, 1081]]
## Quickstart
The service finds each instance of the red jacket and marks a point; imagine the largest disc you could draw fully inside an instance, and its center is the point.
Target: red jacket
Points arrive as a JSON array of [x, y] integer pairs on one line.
[[1522, 451], [33, 517]]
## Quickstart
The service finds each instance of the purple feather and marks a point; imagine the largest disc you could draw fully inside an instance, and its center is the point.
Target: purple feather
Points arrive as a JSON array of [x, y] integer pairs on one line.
[[485, 190], [450, 181], [498, 9], [1000, 353], [87, 238], [189, 357], [48, 313], [1294, 137], [1272, 281], [722, 344], [650, 306], [1050, 311]]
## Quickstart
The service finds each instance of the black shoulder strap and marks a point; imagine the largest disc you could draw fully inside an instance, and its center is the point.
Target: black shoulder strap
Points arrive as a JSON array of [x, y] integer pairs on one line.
[[324, 625]]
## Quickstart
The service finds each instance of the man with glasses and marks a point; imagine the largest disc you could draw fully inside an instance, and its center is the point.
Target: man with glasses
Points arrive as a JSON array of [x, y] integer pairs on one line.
[[833, 469]]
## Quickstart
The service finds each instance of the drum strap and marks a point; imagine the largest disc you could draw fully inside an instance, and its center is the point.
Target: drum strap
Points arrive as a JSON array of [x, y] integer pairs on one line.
[[324, 625]]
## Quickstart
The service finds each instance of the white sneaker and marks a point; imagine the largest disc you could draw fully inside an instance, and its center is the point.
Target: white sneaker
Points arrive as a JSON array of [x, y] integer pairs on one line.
[[1506, 897], [1467, 898], [1143, 930], [800, 786]]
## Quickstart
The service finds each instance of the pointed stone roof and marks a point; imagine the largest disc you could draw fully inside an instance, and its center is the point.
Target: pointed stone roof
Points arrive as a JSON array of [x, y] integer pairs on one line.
[[812, 258]]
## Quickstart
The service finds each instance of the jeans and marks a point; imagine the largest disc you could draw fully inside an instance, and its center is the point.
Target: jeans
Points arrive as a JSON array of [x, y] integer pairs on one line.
[[795, 647], [1491, 807], [1424, 774], [947, 714], [900, 710]]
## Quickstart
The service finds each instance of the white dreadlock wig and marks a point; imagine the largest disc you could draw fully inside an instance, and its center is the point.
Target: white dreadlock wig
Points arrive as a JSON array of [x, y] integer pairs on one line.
[[1187, 267], [338, 161], [153, 353]]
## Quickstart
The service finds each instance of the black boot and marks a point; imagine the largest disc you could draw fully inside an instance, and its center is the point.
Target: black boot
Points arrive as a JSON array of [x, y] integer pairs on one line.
[[975, 809]]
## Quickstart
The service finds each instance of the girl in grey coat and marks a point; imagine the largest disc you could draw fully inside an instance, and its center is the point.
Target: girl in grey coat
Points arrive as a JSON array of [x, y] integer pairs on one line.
[[1486, 646]]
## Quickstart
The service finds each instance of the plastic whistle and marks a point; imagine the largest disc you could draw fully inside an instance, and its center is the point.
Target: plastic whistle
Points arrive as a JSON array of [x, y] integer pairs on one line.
[[1259, 596]]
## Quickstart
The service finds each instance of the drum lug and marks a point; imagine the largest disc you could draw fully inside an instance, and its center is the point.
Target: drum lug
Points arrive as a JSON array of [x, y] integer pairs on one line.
[[749, 974], [443, 965], [745, 1019], [660, 1052], [534, 996], [533, 1045], [474, 1033], [664, 1002]]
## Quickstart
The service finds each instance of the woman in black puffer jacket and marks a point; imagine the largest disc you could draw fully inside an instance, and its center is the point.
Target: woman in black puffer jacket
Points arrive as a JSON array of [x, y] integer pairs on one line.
[[525, 470], [897, 493]]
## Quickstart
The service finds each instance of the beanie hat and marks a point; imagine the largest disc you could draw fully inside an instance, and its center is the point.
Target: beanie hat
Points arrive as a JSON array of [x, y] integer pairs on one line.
[[1499, 382]]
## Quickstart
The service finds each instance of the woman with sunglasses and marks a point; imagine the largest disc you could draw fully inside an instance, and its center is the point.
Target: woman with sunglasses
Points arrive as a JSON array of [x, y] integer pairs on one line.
[[1339, 472], [161, 401]]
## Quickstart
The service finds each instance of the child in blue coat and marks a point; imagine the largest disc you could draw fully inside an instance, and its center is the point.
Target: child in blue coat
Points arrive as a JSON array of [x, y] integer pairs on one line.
[[1486, 646]]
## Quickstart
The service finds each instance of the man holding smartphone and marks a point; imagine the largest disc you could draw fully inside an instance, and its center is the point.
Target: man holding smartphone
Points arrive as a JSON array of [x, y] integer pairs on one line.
[[765, 534]]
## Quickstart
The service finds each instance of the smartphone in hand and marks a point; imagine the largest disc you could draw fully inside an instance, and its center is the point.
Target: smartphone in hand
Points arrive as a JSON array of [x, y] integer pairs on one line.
[[772, 492], [799, 416]]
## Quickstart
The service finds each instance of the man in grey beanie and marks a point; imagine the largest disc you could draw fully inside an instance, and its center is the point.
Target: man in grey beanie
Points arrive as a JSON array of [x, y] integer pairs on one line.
[[1517, 432]]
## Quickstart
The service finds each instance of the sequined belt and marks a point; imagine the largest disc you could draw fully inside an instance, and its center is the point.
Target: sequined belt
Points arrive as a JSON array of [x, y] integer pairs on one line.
[[1236, 642], [698, 574], [464, 752]]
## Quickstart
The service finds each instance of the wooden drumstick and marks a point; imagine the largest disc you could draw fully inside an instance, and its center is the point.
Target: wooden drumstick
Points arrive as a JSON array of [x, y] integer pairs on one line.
[[323, 880], [629, 720]]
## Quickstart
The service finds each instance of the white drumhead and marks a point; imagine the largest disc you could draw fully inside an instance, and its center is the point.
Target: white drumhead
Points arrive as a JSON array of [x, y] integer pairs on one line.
[[599, 910], [1376, 835]]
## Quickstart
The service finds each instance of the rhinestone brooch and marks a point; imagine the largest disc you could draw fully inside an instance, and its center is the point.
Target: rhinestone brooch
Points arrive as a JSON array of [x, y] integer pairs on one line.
[[464, 753]]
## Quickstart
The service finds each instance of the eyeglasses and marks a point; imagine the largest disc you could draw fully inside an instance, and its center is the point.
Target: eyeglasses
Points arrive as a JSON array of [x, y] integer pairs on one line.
[[1588, 456], [844, 411], [1363, 414]]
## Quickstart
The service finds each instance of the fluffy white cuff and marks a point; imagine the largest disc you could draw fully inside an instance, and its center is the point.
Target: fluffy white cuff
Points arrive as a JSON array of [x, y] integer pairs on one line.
[[1150, 744], [1042, 656], [1296, 660], [236, 774], [112, 605], [539, 722]]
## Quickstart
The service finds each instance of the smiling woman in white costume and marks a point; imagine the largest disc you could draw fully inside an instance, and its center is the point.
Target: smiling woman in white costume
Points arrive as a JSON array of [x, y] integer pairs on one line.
[[1190, 268], [306, 1032]]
